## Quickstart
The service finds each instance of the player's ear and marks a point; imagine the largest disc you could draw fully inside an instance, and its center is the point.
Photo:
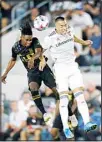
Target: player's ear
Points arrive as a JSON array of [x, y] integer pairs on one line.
[[22, 37]]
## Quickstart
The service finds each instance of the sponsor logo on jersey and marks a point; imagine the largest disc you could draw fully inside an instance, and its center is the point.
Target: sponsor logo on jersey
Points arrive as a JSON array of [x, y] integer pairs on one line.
[[61, 43]]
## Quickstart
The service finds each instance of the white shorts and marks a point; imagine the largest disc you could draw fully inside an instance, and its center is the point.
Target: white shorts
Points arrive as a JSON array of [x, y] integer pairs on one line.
[[68, 76]]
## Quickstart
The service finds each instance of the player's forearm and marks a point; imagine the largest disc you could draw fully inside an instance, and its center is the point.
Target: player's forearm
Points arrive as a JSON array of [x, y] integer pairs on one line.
[[78, 40], [10, 66], [37, 55], [43, 58]]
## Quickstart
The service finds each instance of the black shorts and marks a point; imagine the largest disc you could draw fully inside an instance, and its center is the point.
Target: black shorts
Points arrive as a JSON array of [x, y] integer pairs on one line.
[[46, 76], [58, 123]]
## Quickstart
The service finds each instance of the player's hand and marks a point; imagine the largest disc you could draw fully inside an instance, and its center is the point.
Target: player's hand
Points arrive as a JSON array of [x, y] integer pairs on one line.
[[42, 64], [88, 42], [31, 64], [3, 77]]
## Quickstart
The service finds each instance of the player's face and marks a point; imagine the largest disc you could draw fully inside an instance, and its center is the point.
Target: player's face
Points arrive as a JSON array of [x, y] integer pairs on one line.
[[26, 40], [61, 27]]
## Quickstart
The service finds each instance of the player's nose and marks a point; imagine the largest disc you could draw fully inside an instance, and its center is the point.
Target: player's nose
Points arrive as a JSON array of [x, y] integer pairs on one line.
[[28, 42]]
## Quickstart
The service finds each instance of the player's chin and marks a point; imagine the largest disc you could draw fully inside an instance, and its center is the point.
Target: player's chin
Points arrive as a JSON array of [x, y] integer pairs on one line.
[[64, 32]]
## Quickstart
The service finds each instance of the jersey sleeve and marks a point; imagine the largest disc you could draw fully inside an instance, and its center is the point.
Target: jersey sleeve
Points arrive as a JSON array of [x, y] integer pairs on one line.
[[46, 43], [14, 54]]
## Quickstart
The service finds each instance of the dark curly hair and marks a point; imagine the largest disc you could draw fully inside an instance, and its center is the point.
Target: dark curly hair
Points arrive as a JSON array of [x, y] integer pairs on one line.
[[26, 28]]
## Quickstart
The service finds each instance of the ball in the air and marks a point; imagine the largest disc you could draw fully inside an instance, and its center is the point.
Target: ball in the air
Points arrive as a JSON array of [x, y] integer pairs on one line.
[[41, 23]]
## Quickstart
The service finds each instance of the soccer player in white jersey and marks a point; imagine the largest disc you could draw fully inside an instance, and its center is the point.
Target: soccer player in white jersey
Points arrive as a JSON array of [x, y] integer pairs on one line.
[[61, 46]]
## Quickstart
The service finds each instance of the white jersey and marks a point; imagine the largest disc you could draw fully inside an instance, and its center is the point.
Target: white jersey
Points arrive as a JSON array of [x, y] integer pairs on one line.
[[61, 47]]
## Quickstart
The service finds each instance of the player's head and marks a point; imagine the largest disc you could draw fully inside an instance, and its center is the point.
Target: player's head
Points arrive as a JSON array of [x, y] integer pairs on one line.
[[61, 25], [26, 34]]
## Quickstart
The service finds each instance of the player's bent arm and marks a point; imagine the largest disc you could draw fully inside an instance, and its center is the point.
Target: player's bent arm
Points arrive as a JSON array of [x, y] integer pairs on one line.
[[38, 53], [43, 62], [10, 65], [78, 40], [83, 42]]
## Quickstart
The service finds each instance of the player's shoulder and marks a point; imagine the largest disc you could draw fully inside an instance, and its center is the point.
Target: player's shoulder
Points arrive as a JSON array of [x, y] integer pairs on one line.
[[16, 47], [16, 44], [35, 39], [52, 33]]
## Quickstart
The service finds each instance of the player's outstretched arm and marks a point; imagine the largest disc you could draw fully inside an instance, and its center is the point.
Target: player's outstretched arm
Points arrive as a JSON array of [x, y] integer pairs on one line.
[[9, 67], [83, 42]]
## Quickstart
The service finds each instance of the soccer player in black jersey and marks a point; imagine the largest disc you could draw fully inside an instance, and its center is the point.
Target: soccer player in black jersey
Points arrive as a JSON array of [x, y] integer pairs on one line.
[[29, 50]]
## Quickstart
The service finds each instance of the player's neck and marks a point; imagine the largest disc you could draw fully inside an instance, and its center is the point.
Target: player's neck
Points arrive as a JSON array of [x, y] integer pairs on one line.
[[21, 42]]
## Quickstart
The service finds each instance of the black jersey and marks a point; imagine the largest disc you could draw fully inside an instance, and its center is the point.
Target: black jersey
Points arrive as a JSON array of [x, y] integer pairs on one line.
[[25, 53]]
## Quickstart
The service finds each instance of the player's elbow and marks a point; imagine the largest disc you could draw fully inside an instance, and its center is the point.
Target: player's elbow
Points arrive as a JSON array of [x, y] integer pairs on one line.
[[13, 59]]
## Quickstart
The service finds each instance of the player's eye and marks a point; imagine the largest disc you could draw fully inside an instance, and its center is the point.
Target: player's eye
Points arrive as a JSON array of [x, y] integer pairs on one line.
[[28, 39]]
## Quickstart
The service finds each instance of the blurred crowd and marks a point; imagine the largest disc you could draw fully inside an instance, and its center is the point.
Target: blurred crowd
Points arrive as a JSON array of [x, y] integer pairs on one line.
[[21, 120]]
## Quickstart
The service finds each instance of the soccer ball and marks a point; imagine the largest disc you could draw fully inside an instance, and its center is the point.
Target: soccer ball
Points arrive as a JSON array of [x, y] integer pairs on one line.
[[41, 23]]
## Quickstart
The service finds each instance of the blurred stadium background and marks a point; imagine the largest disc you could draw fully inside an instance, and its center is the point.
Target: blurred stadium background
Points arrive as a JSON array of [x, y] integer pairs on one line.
[[85, 17]]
